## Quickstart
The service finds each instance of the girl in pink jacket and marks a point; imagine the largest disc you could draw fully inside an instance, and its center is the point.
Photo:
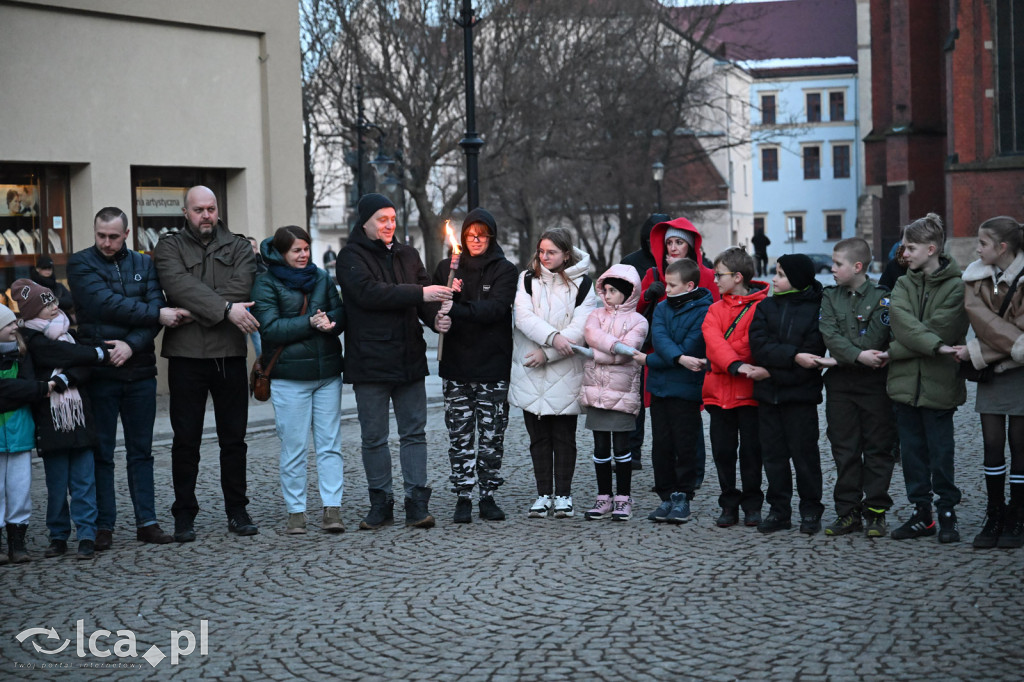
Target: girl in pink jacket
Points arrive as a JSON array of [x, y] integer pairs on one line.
[[611, 387]]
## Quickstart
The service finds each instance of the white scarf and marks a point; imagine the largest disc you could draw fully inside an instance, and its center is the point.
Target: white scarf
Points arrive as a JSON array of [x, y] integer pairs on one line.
[[66, 409]]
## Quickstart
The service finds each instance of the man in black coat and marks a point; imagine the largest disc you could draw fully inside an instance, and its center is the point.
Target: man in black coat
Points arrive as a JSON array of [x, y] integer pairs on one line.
[[387, 292]]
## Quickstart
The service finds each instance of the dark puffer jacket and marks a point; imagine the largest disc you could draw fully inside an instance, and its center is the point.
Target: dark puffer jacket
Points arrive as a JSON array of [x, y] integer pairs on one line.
[[383, 293], [479, 345], [309, 354], [118, 298], [783, 326]]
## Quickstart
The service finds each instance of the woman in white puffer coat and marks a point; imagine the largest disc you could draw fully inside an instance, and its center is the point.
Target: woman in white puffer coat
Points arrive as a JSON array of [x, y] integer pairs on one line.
[[547, 374]]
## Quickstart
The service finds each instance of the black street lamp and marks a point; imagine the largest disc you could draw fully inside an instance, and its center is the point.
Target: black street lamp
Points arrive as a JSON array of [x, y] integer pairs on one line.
[[381, 163], [658, 172], [471, 143]]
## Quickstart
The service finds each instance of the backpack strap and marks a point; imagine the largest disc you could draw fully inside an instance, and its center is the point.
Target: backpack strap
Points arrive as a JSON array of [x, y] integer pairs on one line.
[[732, 327], [586, 284], [528, 282]]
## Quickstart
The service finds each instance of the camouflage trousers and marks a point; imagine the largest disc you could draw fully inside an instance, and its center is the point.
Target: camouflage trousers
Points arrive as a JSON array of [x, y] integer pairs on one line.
[[476, 411]]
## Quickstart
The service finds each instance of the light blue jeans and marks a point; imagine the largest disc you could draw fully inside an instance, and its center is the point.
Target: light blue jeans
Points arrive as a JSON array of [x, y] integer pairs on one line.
[[299, 405]]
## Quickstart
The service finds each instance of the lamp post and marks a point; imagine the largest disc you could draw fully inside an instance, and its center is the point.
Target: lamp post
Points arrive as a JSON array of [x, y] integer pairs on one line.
[[381, 163], [393, 184], [658, 172], [471, 143]]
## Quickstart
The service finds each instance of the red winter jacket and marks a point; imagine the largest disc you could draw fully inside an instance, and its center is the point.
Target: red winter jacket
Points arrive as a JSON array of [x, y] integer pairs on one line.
[[707, 275], [722, 388]]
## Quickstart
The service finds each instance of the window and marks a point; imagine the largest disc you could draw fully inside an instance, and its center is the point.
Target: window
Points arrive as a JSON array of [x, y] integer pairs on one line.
[[837, 106], [160, 195], [34, 219], [833, 226], [769, 164], [813, 107], [768, 110], [812, 162], [1009, 33], [759, 223], [841, 161], [795, 228]]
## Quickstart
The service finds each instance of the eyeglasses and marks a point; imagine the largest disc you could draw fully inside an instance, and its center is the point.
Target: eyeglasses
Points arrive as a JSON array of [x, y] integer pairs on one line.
[[477, 237], [720, 275]]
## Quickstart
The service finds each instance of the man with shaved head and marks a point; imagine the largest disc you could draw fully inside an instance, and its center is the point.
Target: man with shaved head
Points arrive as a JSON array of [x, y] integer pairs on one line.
[[208, 271]]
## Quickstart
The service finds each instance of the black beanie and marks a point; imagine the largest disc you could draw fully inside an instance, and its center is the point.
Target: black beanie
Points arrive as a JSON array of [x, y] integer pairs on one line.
[[622, 285], [799, 269], [370, 204]]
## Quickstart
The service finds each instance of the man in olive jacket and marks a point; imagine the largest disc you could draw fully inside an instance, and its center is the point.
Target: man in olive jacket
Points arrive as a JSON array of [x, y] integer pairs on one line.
[[208, 271], [387, 292]]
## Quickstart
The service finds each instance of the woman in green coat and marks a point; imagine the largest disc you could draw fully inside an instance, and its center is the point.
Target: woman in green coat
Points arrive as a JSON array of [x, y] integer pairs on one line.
[[301, 314]]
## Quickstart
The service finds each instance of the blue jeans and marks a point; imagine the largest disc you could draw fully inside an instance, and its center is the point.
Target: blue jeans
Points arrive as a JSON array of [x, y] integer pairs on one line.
[[926, 448], [70, 471], [135, 402], [299, 405], [410, 402]]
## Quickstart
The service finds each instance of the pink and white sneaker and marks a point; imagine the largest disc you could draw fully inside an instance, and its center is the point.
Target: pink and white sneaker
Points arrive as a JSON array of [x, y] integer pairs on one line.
[[623, 510], [602, 508]]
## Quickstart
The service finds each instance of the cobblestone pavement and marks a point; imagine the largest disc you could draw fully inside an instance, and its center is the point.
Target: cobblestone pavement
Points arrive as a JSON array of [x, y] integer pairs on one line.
[[521, 599]]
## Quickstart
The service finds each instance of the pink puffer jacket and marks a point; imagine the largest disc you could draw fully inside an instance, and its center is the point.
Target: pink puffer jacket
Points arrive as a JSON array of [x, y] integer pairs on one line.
[[612, 381]]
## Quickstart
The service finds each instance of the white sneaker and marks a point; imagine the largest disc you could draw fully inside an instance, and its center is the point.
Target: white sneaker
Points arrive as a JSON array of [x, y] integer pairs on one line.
[[541, 508], [563, 506]]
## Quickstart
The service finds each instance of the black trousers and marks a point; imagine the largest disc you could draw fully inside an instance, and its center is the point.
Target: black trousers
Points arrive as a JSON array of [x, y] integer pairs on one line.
[[553, 449], [731, 429], [861, 430], [790, 432], [190, 381], [675, 429], [636, 438]]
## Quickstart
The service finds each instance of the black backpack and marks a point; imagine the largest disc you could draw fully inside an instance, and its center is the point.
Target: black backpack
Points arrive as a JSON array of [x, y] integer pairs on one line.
[[585, 286]]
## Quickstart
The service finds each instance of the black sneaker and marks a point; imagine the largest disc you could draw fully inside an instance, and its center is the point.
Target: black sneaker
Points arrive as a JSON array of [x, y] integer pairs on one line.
[[774, 522], [847, 523], [949, 531], [86, 549], [809, 525], [1013, 529], [752, 518], [56, 548], [730, 516], [489, 509], [874, 523], [184, 530], [919, 525], [463, 510], [992, 528], [240, 523]]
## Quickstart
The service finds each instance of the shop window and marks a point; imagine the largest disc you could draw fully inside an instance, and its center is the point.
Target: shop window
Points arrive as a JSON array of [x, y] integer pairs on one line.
[[160, 196]]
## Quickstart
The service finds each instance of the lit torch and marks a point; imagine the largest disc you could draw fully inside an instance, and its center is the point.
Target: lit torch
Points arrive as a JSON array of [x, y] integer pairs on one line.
[[456, 252]]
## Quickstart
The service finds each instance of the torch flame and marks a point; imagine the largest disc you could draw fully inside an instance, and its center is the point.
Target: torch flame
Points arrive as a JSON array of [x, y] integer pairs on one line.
[[450, 234]]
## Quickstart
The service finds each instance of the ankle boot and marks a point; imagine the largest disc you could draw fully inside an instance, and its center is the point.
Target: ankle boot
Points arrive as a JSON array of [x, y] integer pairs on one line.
[[16, 552], [3, 555], [1013, 528], [382, 511], [992, 528], [416, 514]]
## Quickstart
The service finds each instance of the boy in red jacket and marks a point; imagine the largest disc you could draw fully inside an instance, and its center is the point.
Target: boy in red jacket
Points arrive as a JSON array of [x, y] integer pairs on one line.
[[729, 387]]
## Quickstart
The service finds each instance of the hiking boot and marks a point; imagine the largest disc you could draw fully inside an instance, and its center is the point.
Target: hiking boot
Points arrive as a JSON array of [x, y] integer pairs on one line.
[[563, 506], [730, 516], [296, 524], [919, 525], [874, 523], [752, 518], [416, 514], [661, 513], [56, 548], [774, 522], [104, 539], [992, 527], [809, 525], [86, 549], [382, 511], [152, 535], [541, 508], [1013, 529], [623, 508], [602, 508], [240, 523], [949, 530], [463, 510], [845, 524], [680, 509], [16, 552], [489, 509], [184, 530], [331, 521]]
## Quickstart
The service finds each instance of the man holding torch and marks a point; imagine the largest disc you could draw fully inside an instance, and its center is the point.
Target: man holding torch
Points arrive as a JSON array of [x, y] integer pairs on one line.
[[476, 361], [386, 292]]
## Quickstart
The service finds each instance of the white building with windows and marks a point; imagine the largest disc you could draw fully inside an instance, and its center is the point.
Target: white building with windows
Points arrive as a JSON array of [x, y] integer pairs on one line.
[[806, 155]]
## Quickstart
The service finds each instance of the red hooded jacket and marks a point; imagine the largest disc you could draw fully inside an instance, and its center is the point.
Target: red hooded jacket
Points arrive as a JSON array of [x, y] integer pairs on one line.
[[707, 275]]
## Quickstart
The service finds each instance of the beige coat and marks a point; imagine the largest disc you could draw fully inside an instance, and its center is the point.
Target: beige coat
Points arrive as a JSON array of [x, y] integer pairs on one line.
[[1000, 340]]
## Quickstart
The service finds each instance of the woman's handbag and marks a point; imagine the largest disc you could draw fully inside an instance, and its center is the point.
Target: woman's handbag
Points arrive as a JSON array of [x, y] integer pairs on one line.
[[259, 378]]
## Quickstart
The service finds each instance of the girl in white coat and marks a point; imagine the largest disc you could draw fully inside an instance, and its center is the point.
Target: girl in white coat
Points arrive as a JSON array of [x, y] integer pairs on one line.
[[547, 374]]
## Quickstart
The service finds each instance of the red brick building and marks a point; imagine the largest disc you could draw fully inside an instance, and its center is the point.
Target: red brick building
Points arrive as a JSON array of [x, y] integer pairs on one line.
[[947, 129]]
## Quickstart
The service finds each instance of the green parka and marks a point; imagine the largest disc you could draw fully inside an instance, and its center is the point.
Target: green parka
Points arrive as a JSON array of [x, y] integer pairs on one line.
[[926, 312], [309, 354]]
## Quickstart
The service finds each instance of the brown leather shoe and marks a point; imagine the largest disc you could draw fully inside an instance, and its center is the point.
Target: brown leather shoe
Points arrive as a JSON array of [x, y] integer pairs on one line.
[[153, 535], [104, 539]]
